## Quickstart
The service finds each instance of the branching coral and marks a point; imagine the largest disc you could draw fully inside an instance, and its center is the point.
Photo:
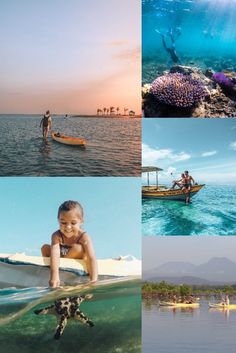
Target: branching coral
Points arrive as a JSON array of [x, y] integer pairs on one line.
[[178, 90]]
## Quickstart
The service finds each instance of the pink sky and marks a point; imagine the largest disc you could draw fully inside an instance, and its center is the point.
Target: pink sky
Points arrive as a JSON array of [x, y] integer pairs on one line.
[[73, 58]]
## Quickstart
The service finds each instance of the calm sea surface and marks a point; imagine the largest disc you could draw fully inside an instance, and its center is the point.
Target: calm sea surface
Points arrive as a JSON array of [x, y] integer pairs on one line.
[[187, 330], [212, 212], [113, 147]]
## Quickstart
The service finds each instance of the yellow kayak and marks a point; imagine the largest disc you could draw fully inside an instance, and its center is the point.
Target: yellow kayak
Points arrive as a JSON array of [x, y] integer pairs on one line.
[[68, 140], [179, 305], [222, 306]]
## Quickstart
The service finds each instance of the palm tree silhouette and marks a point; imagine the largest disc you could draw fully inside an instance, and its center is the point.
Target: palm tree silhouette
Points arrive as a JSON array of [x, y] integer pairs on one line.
[[104, 111], [117, 110], [125, 110], [112, 110]]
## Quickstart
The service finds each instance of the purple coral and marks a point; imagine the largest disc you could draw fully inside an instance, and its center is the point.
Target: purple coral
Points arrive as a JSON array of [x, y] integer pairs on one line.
[[178, 90], [222, 80]]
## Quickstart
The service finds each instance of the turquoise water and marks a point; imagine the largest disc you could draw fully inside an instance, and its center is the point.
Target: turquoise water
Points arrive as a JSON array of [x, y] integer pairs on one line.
[[205, 34], [113, 147], [115, 309], [187, 330], [212, 212]]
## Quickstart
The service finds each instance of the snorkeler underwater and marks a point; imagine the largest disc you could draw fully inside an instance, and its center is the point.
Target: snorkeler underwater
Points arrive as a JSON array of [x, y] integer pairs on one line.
[[189, 58]]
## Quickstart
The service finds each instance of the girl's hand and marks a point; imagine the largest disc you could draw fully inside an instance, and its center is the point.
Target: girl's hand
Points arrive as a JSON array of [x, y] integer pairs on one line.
[[54, 283]]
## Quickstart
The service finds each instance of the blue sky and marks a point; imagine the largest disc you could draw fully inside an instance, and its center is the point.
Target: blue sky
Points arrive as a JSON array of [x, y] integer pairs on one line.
[[205, 147], [112, 208], [196, 250], [69, 56]]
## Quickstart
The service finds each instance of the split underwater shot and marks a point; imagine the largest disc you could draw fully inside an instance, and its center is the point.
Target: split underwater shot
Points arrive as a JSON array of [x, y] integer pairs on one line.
[[188, 58], [37, 315]]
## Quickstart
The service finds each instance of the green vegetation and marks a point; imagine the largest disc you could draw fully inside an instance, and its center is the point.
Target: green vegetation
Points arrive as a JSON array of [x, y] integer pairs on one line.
[[165, 290]]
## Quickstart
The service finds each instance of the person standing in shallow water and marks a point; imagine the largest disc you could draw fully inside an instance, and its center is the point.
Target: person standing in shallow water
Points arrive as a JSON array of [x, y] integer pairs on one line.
[[188, 183], [46, 124]]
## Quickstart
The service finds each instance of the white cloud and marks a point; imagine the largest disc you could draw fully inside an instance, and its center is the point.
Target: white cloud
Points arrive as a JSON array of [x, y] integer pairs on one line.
[[233, 145], [151, 156], [209, 154], [171, 170]]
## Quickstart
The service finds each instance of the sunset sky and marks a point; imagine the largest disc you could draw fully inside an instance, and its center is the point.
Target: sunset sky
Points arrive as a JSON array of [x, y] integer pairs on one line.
[[69, 56]]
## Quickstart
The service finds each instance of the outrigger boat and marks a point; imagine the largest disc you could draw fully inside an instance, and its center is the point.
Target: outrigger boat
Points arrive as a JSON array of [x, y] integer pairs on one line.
[[162, 192], [179, 305]]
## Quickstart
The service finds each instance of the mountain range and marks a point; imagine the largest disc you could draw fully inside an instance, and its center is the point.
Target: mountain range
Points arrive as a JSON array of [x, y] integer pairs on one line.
[[218, 270]]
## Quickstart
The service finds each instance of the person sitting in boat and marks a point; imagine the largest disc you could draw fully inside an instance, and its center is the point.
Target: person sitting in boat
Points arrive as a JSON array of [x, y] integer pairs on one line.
[[225, 300], [70, 242], [46, 124], [174, 299], [190, 299], [188, 183], [179, 183]]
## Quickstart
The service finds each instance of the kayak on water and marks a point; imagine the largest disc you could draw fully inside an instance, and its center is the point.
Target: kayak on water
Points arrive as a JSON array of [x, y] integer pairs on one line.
[[68, 140], [179, 305], [222, 306]]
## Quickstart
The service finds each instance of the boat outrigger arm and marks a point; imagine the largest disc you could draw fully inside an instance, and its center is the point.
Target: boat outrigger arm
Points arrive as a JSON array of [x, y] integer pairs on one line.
[[162, 192]]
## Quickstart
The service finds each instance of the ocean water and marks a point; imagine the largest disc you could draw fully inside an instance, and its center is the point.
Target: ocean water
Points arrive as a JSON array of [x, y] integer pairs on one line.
[[212, 212], [199, 330], [113, 147], [204, 30], [115, 310]]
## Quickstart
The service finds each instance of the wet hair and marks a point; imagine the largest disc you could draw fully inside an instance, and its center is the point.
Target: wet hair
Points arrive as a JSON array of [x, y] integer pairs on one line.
[[71, 205], [48, 112], [186, 172]]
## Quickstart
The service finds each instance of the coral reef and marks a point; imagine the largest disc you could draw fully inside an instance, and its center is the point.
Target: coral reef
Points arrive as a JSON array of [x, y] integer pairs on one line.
[[178, 90], [219, 99], [222, 79]]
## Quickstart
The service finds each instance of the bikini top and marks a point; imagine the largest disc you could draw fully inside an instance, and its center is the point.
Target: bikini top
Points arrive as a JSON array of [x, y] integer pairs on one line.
[[79, 240]]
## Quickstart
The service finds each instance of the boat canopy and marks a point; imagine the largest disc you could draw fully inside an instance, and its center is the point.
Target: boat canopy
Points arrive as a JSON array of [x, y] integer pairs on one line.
[[150, 169]]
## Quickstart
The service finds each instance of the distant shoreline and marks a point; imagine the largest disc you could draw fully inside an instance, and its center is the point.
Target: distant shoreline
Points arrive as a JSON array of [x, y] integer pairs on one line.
[[78, 115], [104, 116]]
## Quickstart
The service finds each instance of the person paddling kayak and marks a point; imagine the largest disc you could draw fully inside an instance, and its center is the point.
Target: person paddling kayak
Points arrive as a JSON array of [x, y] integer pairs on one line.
[[46, 124]]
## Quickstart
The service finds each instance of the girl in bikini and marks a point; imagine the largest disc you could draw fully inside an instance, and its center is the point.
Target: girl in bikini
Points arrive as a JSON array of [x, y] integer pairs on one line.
[[70, 241]]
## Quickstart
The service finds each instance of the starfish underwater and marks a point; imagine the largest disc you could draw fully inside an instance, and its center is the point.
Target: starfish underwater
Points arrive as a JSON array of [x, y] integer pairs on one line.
[[64, 309]]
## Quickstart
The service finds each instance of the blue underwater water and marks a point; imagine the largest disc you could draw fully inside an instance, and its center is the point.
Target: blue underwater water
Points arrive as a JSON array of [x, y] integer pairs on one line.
[[211, 212], [204, 35], [115, 309]]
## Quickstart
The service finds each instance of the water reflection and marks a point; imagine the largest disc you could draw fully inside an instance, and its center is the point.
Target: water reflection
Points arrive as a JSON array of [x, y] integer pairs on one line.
[[45, 148]]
